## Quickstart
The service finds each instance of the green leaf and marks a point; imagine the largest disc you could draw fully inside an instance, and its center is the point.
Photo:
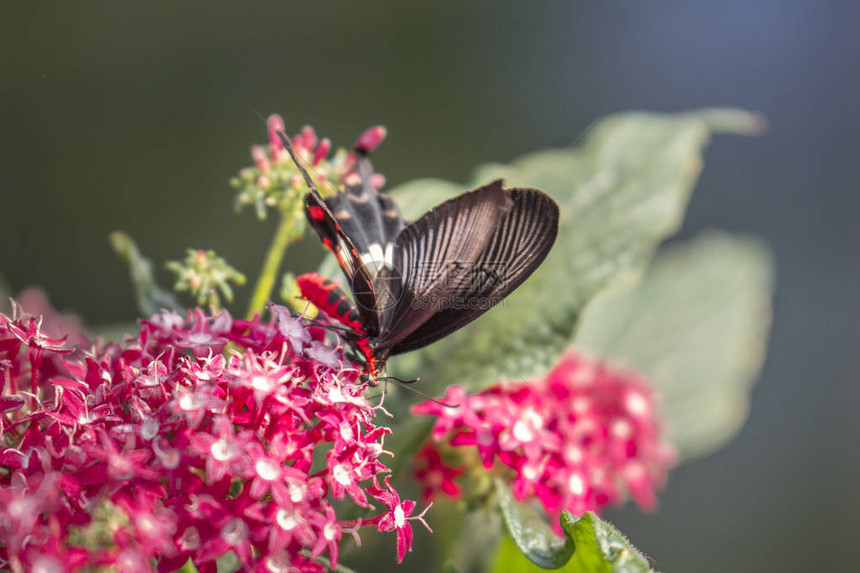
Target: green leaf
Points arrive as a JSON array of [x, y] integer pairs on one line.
[[228, 563], [621, 193], [697, 327], [590, 545], [188, 567], [150, 297], [531, 533], [419, 196], [600, 547]]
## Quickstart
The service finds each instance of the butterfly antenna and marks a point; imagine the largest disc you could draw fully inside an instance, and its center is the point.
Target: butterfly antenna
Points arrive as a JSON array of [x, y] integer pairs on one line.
[[401, 380], [329, 326], [405, 384], [289, 145]]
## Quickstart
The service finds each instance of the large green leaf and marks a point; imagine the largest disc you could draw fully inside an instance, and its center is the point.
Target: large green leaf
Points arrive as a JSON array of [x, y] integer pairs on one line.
[[697, 327], [589, 545], [621, 193], [531, 533]]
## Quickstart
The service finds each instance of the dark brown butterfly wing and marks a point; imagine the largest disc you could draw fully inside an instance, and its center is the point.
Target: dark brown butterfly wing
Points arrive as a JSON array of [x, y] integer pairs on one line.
[[369, 218], [519, 244], [339, 243], [359, 226], [437, 251]]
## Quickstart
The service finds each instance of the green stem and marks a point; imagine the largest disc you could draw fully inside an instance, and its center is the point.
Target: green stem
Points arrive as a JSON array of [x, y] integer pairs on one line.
[[269, 273]]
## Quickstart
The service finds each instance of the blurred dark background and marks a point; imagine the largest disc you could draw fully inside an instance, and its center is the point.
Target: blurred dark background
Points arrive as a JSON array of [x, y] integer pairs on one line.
[[116, 116]]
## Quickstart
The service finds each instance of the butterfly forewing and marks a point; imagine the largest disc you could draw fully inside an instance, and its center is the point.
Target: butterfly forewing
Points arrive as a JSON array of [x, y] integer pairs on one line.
[[348, 257], [519, 244], [436, 251]]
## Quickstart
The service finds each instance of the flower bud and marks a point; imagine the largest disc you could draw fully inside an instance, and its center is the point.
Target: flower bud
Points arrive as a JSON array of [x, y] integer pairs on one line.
[[370, 139]]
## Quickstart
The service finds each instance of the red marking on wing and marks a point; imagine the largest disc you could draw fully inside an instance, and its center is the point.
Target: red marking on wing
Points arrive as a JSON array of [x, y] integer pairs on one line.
[[316, 213], [373, 369], [327, 296]]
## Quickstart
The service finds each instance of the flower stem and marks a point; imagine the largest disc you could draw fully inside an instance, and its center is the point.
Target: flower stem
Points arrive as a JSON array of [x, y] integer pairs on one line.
[[269, 272]]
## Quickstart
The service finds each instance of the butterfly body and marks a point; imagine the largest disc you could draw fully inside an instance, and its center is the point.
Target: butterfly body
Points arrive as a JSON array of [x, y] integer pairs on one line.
[[414, 283], [333, 301]]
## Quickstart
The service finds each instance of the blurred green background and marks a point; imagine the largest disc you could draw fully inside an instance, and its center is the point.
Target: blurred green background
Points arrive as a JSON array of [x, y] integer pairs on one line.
[[117, 116]]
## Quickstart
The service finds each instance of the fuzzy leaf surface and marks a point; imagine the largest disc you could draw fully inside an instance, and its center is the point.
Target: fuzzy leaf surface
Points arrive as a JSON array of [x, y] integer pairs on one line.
[[621, 193], [589, 545], [697, 327]]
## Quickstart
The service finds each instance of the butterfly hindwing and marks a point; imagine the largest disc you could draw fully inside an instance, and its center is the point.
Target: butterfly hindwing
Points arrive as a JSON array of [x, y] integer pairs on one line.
[[359, 226], [436, 251], [371, 219], [519, 244]]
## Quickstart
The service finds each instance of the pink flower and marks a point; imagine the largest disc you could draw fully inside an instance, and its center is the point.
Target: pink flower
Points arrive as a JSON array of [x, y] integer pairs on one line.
[[578, 440], [34, 302], [274, 181], [370, 139], [140, 456], [432, 472], [398, 516]]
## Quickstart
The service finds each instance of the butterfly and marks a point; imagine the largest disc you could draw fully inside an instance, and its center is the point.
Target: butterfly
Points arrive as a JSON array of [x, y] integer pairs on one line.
[[415, 283]]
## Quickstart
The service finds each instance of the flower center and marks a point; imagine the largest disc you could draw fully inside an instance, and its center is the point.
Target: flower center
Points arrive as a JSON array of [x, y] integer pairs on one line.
[[186, 402], [576, 484], [261, 383], [399, 516], [297, 493], [221, 450], [524, 428], [530, 471], [149, 429], [336, 395], [622, 429], [234, 531], [267, 470], [286, 520], [484, 437], [341, 474], [636, 404]]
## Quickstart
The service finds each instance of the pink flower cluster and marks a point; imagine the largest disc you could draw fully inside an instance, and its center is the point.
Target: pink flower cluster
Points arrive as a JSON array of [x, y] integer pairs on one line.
[[274, 173], [576, 440], [167, 448]]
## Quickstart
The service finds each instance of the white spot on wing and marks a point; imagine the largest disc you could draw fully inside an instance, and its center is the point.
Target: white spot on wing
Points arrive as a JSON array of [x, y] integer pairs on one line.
[[376, 252], [376, 258], [388, 259]]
